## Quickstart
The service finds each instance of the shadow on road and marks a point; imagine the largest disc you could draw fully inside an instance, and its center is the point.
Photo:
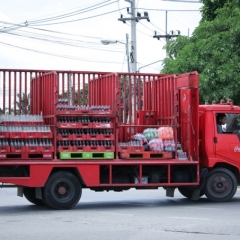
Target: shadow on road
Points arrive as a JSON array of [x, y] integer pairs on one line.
[[117, 205]]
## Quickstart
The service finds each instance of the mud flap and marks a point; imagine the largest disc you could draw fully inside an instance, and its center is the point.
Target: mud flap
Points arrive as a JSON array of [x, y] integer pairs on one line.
[[196, 192]]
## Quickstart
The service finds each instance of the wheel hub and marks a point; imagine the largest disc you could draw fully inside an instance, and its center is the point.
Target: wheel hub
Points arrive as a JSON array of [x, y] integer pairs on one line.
[[62, 190], [220, 184]]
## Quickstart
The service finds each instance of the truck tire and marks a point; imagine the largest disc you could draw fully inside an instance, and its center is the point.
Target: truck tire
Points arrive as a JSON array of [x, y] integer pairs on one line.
[[62, 191], [221, 185], [187, 192], [29, 194]]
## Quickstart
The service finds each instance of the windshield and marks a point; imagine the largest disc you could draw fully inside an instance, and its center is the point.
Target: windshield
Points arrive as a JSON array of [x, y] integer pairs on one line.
[[233, 123]]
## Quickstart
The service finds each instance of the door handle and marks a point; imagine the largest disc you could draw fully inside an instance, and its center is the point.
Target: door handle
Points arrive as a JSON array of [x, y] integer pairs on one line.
[[215, 139]]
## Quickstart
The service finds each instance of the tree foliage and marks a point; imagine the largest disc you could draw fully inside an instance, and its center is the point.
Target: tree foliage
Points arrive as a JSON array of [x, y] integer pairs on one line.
[[209, 8], [213, 51]]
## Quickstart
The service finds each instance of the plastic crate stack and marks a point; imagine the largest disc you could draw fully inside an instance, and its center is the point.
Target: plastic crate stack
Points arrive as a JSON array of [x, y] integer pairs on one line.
[[25, 136], [85, 132]]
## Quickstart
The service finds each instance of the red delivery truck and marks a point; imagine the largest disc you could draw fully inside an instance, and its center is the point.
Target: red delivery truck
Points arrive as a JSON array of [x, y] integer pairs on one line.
[[63, 131]]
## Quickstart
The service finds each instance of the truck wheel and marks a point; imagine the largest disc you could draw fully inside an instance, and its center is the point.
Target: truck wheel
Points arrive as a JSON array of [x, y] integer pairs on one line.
[[221, 185], [29, 194], [62, 190], [187, 192]]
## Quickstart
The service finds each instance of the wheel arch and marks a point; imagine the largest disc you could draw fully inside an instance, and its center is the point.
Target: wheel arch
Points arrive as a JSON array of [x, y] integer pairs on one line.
[[230, 167], [72, 170]]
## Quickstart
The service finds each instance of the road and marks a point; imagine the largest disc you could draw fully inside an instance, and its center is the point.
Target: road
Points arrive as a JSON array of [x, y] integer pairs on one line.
[[130, 215]]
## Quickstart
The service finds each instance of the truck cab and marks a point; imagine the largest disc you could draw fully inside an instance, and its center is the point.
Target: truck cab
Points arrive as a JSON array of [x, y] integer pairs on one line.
[[220, 151]]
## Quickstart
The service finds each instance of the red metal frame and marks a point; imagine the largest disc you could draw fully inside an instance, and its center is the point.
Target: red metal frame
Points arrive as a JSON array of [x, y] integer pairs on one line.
[[126, 94]]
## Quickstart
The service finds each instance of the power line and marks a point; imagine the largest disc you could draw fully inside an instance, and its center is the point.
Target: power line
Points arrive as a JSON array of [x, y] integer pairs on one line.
[[58, 55], [52, 31], [170, 10], [156, 27], [94, 7], [62, 42], [75, 20]]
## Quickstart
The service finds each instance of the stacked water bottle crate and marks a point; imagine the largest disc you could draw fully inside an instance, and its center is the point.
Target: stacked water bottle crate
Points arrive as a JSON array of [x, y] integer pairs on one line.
[[85, 135], [25, 136]]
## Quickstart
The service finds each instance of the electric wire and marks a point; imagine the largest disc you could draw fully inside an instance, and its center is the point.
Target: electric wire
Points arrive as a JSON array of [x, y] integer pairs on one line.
[[76, 20], [58, 55], [65, 43], [52, 31], [96, 6], [177, 20]]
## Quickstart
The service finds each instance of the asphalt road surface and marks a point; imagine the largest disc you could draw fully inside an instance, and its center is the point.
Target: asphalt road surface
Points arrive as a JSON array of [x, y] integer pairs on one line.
[[130, 215]]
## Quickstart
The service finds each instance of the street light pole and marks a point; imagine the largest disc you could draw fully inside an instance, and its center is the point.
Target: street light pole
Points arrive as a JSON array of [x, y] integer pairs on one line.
[[106, 42], [149, 65]]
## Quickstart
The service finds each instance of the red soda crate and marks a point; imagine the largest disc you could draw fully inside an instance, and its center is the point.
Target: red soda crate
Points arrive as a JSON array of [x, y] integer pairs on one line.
[[3, 155], [31, 134], [32, 149], [4, 149], [64, 137], [125, 149], [65, 149], [48, 155], [79, 137], [102, 125], [107, 137], [33, 123], [46, 149], [68, 112], [87, 125], [137, 148], [146, 155], [16, 135], [18, 149], [108, 149], [45, 134], [93, 137], [69, 125], [81, 148], [95, 149], [4, 134], [102, 112]]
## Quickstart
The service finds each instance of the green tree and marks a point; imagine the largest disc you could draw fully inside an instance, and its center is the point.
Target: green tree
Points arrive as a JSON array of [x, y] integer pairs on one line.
[[79, 98], [23, 103], [213, 51], [209, 8]]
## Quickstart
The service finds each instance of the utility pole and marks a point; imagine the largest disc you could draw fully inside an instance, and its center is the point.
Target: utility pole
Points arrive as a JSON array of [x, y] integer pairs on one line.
[[167, 36], [134, 19]]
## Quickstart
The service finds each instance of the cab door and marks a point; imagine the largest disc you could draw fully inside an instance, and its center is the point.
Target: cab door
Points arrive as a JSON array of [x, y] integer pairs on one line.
[[227, 144]]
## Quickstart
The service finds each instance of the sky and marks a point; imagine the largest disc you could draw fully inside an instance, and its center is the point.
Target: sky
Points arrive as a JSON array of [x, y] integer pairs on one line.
[[67, 34]]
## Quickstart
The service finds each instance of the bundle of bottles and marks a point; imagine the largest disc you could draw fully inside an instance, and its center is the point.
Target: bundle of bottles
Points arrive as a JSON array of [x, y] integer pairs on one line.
[[25, 142], [91, 131], [84, 119], [153, 139], [64, 105]]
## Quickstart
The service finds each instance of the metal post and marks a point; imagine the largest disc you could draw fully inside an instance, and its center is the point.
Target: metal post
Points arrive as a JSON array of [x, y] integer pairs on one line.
[[127, 52], [133, 39], [167, 38]]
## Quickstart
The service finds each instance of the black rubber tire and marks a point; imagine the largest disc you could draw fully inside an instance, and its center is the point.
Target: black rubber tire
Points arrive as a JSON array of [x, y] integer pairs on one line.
[[221, 185], [187, 192], [62, 191], [29, 194]]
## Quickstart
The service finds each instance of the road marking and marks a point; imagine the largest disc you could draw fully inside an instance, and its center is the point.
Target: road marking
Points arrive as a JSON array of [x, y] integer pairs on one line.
[[187, 218], [120, 214]]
